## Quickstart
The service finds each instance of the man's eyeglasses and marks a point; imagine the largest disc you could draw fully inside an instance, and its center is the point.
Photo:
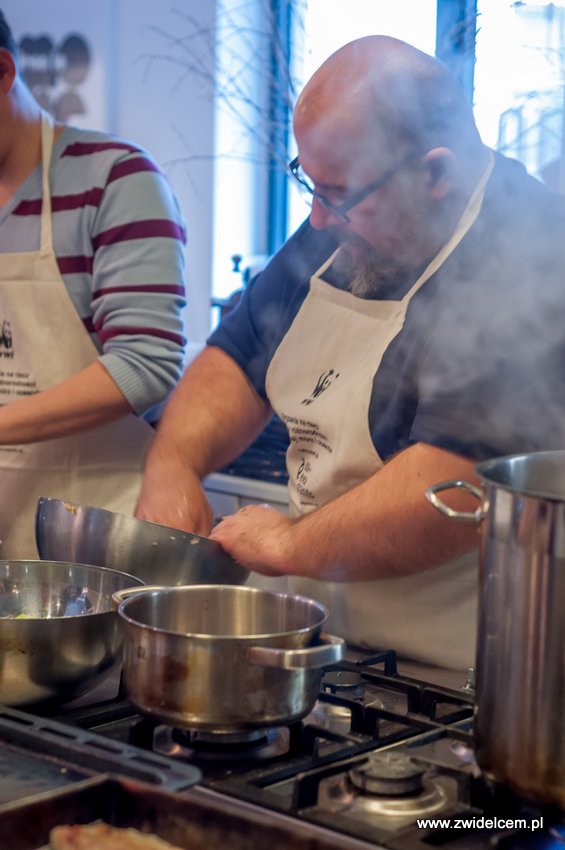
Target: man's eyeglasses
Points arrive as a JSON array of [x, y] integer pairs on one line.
[[354, 198]]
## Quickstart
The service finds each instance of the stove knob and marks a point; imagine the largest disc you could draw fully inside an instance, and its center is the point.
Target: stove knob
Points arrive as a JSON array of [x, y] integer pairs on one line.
[[470, 683]]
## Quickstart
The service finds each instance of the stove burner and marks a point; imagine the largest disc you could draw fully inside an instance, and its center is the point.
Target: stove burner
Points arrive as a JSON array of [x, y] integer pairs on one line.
[[246, 746], [219, 740], [344, 683], [386, 792], [338, 689], [388, 773]]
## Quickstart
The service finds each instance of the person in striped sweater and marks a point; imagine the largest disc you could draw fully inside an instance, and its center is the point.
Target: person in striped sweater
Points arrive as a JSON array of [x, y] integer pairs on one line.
[[92, 293]]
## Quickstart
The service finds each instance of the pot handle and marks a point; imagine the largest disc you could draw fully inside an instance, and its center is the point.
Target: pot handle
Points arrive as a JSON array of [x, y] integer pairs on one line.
[[329, 651], [465, 516], [119, 595]]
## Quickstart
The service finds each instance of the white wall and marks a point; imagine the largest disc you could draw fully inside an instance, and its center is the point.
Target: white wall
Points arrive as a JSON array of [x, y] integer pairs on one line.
[[138, 87]]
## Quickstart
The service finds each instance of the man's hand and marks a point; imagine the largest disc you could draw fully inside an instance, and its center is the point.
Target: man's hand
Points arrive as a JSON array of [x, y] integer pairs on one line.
[[178, 501], [259, 538]]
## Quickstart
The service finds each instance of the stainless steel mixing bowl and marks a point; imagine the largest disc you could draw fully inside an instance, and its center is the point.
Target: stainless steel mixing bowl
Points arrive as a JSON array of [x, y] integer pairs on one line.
[[59, 633], [154, 553]]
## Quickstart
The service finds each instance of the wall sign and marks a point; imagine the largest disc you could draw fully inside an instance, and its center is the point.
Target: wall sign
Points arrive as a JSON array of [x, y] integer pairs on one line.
[[57, 71]]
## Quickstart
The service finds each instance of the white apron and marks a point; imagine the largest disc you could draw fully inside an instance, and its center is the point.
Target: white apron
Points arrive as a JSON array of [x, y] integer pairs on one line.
[[42, 342], [322, 393]]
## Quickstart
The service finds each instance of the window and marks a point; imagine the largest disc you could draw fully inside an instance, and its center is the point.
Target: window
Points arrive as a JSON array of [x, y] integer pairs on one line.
[[513, 70], [328, 24], [250, 42], [519, 83]]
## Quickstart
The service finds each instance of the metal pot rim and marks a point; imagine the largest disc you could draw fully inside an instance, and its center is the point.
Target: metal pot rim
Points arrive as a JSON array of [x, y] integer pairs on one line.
[[73, 507], [491, 474], [131, 580], [198, 588]]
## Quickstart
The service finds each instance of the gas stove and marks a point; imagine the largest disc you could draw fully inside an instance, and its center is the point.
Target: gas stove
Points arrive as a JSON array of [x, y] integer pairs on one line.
[[383, 760]]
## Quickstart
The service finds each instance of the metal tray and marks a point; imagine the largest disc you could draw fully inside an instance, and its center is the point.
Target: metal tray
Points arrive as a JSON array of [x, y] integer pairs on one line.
[[39, 755], [199, 819]]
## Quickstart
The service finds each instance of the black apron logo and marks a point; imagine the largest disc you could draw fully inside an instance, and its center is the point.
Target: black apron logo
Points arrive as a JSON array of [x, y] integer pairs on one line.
[[324, 381], [6, 341]]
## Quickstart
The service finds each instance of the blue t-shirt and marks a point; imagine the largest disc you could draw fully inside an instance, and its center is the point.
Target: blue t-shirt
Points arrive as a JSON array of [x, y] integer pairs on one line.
[[479, 366]]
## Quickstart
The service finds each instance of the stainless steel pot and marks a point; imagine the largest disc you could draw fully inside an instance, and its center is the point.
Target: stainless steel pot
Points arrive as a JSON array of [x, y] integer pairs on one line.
[[520, 688], [224, 658], [157, 554], [59, 633]]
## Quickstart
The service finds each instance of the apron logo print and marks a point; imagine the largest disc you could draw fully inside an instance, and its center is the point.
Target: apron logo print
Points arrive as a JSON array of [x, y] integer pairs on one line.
[[6, 340], [322, 384]]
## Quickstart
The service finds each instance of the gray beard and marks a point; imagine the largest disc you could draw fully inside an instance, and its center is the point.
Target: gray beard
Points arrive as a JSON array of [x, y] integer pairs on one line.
[[365, 271], [366, 281]]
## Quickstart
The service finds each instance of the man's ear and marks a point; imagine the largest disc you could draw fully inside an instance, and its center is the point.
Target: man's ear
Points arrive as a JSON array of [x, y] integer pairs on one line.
[[7, 70], [440, 164]]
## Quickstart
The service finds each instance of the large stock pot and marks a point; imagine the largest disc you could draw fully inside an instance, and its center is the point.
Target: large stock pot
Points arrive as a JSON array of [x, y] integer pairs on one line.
[[223, 658], [520, 688]]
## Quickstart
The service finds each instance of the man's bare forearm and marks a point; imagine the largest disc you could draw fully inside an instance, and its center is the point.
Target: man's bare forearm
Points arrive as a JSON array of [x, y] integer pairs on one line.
[[386, 524], [382, 528], [213, 414]]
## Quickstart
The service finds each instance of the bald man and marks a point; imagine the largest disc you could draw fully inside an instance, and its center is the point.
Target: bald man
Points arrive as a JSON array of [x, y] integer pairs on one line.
[[410, 328]]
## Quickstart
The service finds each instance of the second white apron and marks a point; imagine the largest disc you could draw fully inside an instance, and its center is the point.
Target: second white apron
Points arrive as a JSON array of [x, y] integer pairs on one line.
[[42, 342]]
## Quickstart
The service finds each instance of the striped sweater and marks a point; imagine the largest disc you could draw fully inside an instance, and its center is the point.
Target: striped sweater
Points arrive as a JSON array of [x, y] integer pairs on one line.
[[119, 238]]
